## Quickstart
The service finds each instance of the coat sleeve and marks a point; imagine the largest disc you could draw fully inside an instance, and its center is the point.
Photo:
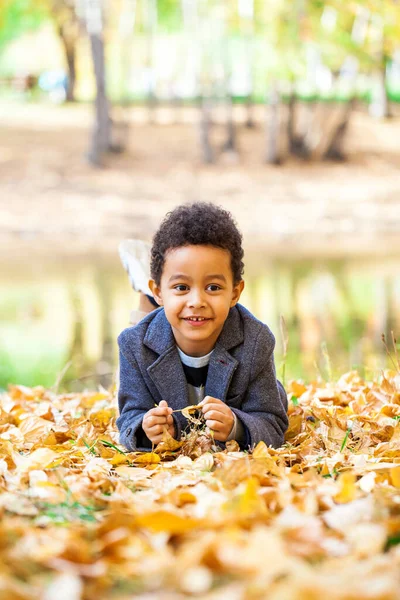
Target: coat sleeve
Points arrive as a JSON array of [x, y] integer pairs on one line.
[[134, 400], [264, 409]]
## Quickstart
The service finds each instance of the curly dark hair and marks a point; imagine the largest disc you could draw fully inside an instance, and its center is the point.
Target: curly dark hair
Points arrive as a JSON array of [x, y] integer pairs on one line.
[[197, 224]]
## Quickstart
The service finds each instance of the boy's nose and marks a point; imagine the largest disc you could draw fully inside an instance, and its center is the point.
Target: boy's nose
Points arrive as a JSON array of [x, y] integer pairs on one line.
[[196, 299]]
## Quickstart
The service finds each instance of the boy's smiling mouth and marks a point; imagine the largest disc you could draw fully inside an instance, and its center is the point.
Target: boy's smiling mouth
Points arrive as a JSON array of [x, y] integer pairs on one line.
[[196, 321]]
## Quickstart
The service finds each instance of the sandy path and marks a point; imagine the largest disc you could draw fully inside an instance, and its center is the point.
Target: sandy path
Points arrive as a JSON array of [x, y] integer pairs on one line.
[[50, 199]]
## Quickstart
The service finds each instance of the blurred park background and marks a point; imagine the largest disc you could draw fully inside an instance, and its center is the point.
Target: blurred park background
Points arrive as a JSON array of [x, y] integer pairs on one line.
[[285, 112]]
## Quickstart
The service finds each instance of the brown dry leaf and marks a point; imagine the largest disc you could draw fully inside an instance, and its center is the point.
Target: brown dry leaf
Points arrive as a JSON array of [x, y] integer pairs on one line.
[[297, 388], [296, 421], [34, 428], [190, 411], [41, 458], [232, 446], [168, 443], [18, 504]]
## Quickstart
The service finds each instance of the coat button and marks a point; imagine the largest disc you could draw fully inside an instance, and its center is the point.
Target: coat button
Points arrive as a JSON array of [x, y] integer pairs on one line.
[[129, 431]]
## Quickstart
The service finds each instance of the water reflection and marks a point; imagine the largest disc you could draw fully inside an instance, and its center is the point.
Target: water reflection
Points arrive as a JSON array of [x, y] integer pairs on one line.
[[68, 321]]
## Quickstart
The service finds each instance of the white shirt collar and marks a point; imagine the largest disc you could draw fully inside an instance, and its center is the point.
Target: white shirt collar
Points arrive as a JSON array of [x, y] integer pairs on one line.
[[194, 361]]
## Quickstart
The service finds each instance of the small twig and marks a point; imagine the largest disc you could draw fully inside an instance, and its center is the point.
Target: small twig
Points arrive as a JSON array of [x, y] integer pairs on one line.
[[60, 376], [388, 352], [327, 358], [394, 342]]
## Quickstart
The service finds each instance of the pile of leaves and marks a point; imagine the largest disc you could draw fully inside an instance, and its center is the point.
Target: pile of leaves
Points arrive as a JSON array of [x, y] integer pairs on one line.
[[318, 518]]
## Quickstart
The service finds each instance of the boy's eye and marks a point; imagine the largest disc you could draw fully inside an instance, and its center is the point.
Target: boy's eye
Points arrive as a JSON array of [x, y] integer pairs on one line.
[[181, 287], [213, 287]]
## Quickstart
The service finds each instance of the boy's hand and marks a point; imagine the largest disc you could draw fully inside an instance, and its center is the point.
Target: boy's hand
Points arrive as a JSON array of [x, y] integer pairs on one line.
[[219, 417], [156, 419]]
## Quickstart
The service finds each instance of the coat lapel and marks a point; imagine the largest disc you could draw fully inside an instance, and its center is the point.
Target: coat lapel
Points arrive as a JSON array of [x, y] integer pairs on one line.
[[220, 372], [222, 363], [168, 375], [166, 371]]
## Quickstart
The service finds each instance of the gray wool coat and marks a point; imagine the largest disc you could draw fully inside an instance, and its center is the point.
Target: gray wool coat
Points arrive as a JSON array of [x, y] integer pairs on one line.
[[241, 373]]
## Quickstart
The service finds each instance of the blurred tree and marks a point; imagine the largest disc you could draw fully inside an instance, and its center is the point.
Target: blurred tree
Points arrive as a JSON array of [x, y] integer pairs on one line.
[[19, 16], [92, 12], [67, 26]]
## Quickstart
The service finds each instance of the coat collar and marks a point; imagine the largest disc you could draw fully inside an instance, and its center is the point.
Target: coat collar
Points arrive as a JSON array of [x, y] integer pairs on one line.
[[167, 372]]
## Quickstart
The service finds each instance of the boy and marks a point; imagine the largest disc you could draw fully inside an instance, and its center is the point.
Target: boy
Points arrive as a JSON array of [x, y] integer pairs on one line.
[[201, 346]]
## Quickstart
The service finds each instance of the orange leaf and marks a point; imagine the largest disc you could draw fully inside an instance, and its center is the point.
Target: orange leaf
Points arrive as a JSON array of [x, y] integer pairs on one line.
[[163, 520]]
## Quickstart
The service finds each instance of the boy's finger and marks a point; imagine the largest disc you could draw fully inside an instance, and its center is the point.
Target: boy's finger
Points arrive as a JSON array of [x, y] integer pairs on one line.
[[161, 410], [216, 415], [155, 420], [214, 425], [155, 430], [163, 403], [215, 408], [207, 400]]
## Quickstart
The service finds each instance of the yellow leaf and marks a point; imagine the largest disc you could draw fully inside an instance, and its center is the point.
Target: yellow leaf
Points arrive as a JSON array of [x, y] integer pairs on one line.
[[347, 488], [101, 418], [148, 458], [118, 459], [250, 503], [261, 450], [180, 497], [395, 476]]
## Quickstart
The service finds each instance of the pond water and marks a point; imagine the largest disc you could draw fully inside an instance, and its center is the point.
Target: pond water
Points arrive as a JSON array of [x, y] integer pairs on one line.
[[59, 321]]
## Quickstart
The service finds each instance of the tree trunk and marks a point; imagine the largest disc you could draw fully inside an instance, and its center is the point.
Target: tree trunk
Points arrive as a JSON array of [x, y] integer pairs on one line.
[[101, 139], [230, 142], [273, 156], [205, 125], [250, 124], [335, 148], [70, 56]]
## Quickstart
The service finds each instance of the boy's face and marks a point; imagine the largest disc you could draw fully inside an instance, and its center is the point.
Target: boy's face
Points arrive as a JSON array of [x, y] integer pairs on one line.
[[197, 291]]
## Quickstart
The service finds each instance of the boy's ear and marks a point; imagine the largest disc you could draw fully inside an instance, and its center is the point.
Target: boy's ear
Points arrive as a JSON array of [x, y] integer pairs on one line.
[[237, 292], [156, 291]]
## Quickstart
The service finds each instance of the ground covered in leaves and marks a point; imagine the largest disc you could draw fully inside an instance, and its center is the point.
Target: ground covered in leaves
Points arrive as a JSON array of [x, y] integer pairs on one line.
[[319, 517]]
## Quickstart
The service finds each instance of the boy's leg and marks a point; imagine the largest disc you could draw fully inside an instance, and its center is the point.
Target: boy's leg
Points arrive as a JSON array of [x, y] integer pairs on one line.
[[135, 257]]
